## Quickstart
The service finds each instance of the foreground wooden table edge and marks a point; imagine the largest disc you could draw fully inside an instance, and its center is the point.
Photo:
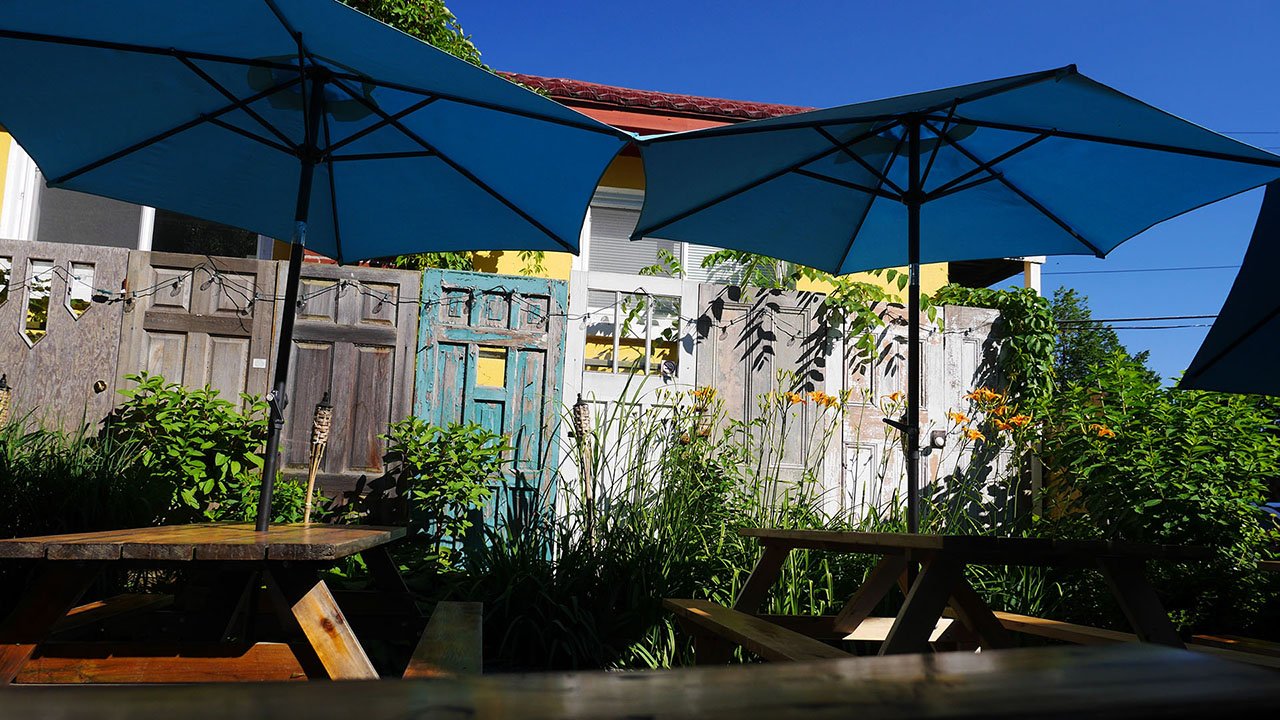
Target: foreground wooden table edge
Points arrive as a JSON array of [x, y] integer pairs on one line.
[[1124, 681]]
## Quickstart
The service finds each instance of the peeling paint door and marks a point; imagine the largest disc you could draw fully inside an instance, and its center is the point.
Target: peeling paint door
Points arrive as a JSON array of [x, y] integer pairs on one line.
[[492, 352]]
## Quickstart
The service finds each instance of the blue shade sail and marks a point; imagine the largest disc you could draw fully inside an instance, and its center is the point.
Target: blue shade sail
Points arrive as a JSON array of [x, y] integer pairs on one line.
[[1049, 163], [1241, 353], [199, 107]]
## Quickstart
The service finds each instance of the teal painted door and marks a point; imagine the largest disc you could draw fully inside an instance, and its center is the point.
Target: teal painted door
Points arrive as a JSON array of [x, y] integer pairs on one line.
[[492, 352]]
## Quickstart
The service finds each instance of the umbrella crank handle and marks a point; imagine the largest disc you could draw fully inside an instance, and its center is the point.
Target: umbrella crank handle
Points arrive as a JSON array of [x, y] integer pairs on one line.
[[277, 400], [907, 431]]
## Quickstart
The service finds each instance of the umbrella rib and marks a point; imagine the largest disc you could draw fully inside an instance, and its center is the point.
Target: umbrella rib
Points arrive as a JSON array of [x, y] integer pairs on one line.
[[945, 189], [204, 118], [458, 168], [141, 49], [641, 232], [952, 190], [1021, 193], [284, 139], [587, 124], [379, 125], [847, 184], [878, 174], [933, 154], [252, 136], [1193, 373], [866, 211], [1272, 161], [380, 156], [333, 193]]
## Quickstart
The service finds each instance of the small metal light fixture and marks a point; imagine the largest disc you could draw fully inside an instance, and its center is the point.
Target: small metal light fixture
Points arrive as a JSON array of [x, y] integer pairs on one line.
[[6, 399], [321, 422]]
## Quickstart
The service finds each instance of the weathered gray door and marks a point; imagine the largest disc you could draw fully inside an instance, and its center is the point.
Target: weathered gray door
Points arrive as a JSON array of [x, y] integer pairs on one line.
[[745, 340], [200, 320], [491, 351], [353, 337], [56, 344]]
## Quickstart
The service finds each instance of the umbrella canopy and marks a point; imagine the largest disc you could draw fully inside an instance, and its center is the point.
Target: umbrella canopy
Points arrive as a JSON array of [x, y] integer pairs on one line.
[[1242, 350], [295, 118], [201, 108], [1048, 163]]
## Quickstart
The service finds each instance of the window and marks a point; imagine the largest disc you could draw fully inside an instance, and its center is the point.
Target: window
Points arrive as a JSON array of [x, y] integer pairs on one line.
[[613, 218], [631, 332], [175, 232]]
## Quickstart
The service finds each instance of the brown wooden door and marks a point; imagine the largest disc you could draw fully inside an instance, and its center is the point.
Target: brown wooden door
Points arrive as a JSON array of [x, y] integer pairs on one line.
[[200, 320], [354, 337]]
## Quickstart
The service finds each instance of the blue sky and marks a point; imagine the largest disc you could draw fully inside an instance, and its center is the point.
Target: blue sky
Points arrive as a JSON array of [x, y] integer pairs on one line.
[[1214, 63]]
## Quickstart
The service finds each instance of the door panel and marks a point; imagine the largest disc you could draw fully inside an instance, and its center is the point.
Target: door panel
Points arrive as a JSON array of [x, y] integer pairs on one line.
[[491, 352]]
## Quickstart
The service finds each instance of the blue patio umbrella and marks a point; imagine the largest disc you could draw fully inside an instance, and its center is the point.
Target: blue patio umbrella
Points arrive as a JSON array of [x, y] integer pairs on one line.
[[1242, 350], [294, 118], [1048, 163]]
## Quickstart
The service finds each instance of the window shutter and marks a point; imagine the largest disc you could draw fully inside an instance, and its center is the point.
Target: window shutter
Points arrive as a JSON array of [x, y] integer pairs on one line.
[[723, 274], [611, 247]]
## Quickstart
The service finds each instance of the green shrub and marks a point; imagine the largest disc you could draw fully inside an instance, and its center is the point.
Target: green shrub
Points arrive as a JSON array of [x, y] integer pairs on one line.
[[203, 447]]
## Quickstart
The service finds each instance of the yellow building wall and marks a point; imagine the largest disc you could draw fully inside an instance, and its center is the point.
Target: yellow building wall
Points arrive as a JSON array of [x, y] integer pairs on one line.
[[6, 141]]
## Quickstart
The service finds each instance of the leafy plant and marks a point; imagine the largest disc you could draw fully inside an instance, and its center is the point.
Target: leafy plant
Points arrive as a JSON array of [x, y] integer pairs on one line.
[[444, 473], [193, 441]]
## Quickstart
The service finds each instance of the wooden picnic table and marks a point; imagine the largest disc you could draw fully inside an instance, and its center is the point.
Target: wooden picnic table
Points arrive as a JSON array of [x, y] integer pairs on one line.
[[1123, 681], [229, 562], [941, 583]]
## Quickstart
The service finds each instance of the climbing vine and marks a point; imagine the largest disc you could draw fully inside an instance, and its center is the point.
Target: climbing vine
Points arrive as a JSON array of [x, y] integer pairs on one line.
[[1026, 353]]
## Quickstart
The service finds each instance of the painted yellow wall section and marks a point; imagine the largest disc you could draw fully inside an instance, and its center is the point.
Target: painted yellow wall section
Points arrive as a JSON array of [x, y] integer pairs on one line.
[[555, 265], [6, 141], [932, 277]]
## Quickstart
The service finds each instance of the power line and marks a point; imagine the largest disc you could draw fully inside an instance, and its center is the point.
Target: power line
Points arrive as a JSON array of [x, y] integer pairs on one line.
[[1142, 270], [1098, 321]]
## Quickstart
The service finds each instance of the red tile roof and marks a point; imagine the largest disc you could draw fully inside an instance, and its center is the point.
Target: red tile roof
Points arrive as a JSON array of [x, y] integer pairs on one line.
[[565, 88]]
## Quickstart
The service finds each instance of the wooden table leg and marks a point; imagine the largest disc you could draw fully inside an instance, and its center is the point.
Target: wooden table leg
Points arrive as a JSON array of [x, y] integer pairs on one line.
[[974, 613], [920, 613], [1139, 602], [309, 606], [863, 602], [55, 590], [762, 577]]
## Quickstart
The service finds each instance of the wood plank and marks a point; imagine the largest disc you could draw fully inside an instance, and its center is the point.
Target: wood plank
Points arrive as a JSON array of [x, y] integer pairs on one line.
[[763, 576], [1086, 635], [1235, 642], [1064, 682], [761, 637], [112, 607], [974, 613], [871, 629], [975, 548], [452, 643], [864, 600], [322, 623], [46, 600], [1269, 565], [919, 614], [162, 663], [1139, 602]]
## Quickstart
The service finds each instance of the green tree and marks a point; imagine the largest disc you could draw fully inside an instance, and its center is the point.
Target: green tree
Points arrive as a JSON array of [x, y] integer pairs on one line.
[[1083, 344]]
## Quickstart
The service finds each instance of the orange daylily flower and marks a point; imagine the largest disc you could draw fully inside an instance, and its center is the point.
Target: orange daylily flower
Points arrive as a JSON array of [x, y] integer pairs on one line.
[[974, 434], [1020, 420], [1002, 425], [1102, 430], [794, 398], [958, 418]]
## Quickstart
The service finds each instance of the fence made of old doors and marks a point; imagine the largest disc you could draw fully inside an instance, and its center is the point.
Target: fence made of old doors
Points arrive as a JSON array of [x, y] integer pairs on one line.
[[200, 320], [491, 351], [353, 337], [760, 342], [58, 347]]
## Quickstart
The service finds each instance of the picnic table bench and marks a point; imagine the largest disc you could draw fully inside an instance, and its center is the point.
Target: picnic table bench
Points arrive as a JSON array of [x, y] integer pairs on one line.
[[939, 586], [230, 561], [1121, 681]]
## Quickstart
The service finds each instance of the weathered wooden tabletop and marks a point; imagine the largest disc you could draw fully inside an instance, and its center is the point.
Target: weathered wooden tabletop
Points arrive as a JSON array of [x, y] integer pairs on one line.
[[974, 548], [205, 541], [1126, 681]]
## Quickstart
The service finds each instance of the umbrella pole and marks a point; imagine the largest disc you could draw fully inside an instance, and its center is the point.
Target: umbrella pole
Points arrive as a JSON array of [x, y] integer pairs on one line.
[[277, 399], [913, 200]]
